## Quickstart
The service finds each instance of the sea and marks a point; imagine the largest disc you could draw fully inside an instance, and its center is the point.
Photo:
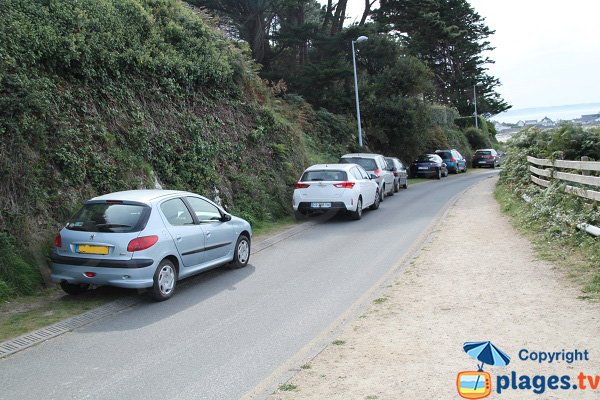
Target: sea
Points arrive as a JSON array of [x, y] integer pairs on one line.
[[555, 113]]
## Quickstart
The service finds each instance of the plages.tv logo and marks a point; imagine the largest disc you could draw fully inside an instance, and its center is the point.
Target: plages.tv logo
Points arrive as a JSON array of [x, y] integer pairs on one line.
[[478, 384]]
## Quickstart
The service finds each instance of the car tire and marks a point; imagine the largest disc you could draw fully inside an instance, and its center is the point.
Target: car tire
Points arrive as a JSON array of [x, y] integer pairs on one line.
[[375, 205], [382, 194], [356, 215], [241, 254], [164, 281], [439, 174], [446, 174], [74, 288], [405, 186], [396, 186]]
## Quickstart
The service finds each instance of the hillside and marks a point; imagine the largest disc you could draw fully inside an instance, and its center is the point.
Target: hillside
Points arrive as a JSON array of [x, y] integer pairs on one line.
[[119, 94]]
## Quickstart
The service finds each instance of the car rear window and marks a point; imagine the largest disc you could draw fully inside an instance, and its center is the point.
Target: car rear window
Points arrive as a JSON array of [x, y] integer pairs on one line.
[[324, 175], [368, 164], [390, 162], [444, 154], [426, 157], [483, 153], [109, 217]]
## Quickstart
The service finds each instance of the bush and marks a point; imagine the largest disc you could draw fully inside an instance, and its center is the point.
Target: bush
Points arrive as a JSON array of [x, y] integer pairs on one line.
[[17, 276]]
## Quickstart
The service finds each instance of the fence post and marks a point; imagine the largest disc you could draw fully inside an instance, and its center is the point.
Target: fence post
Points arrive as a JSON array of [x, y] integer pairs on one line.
[[585, 158]]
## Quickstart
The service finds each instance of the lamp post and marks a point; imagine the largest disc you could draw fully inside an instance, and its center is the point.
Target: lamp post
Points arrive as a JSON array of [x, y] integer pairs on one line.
[[358, 40], [475, 102]]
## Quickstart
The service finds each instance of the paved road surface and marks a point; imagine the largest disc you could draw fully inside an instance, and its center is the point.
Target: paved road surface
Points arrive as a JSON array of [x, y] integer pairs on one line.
[[226, 331]]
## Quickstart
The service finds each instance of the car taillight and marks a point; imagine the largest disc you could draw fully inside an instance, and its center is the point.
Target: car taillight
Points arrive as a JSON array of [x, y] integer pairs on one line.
[[58, 240], [490, 157], [453, 159], [377, 172], [142, 243], [396, 173], [344, 185], [300, 185], [90, 274]]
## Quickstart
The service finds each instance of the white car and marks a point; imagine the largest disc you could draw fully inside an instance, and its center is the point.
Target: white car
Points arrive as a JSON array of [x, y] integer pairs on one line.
[[374, 164], [335, 187]]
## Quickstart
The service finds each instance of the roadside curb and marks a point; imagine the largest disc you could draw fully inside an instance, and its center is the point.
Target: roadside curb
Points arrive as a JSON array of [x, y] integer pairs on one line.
[[27, 340]]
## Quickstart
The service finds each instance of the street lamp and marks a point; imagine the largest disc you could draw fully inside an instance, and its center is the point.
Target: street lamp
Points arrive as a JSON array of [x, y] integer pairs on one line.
[[475, 103], [358, 40]]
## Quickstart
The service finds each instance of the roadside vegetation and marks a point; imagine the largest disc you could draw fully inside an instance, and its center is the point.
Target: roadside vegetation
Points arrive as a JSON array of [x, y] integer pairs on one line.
[[110, 95], [551, 216]]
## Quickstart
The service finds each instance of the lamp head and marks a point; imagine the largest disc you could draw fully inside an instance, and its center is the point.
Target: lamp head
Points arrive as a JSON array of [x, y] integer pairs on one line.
[[361, 39]]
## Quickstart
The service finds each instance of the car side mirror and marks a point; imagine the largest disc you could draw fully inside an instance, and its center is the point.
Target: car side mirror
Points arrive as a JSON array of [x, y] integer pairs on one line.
[[393, 169], [444, 164], [226, 218], [372, 176]]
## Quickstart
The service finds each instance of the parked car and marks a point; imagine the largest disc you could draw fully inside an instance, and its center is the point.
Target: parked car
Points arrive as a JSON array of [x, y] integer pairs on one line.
[[429, 165], [147, 239], [454, 161], [334, 188], [399, 171], [374, 164], [485, 157]]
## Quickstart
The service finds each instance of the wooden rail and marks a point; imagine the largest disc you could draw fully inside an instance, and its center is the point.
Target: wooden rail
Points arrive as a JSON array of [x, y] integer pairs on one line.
[[544, 176]]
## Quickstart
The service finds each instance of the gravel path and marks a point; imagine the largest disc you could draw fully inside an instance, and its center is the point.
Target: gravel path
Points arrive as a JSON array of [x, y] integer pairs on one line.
[[476, 279]]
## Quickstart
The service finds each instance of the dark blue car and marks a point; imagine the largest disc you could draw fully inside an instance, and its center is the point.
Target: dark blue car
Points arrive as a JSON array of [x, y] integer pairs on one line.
[[428, 165]]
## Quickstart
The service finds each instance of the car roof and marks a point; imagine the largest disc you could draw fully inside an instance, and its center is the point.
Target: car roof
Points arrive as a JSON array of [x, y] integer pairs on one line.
[[485, 150], [146, 196], [361, 155], [344, 167]]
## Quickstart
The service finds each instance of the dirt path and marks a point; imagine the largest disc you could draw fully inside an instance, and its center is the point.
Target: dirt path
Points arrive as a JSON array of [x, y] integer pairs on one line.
[[476, 279]]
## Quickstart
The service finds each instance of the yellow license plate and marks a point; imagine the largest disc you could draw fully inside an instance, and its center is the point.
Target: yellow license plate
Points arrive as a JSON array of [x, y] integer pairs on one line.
[[89, 249]]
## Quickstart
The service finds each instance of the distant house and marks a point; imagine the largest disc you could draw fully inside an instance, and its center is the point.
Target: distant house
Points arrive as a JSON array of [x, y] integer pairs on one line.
[[546, 122], [589, 119]]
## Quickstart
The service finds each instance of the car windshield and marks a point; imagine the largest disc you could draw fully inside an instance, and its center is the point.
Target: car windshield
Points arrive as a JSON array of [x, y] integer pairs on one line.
[[367, 163], [109, 217], [483, 153], [426, 157], [444, 154], [390, 163], [324, 175]]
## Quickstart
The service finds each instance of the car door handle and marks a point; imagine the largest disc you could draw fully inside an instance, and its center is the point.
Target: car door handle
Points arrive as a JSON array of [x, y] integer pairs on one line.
[[178, 238], [208, 234]]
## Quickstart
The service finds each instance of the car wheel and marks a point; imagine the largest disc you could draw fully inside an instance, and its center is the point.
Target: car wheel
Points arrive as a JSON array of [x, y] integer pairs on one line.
[[242, 253], [165, 281], [439, 174], [446, 174], [382, 194], [396, 186], [375, 205], [356, 215], [74, 288], [405, 186], [493, 166]]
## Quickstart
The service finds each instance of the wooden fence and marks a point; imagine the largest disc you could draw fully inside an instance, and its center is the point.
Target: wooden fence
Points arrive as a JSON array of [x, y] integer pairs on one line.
[[578, 172]]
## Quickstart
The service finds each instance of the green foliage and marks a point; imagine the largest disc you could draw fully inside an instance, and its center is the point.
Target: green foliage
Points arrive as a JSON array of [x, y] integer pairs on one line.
[[478, 139], [17, 276]]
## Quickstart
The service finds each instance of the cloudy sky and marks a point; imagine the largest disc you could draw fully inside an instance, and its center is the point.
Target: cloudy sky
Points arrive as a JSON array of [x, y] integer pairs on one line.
[[547, 51]]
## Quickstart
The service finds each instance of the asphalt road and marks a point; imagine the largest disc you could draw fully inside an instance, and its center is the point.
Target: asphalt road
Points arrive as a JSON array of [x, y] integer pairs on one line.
[[226, 331]]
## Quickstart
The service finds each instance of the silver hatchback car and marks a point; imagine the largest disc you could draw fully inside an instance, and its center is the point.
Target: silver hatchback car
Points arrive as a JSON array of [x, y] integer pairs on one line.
[[147, 239]]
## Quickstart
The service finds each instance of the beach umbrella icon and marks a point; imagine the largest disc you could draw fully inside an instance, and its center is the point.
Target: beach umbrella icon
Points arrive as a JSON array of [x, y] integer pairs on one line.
[[487, 353]]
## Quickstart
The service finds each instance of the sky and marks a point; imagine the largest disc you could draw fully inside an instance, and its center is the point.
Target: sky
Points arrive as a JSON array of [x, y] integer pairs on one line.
[[547, 51]]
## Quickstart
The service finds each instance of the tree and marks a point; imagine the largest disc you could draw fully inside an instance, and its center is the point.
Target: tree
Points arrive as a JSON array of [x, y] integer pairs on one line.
[[450, 37]]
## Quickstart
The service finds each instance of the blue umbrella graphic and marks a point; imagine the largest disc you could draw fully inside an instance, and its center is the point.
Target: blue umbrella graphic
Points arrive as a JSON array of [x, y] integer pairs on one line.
[[487, 353]]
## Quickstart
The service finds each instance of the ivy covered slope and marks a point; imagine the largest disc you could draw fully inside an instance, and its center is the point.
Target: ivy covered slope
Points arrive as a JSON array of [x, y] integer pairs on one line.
[[106, 95]]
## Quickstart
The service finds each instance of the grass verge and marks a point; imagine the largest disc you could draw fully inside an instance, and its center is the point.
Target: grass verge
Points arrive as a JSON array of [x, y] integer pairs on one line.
[[28, 313], [577, 254]]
